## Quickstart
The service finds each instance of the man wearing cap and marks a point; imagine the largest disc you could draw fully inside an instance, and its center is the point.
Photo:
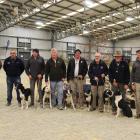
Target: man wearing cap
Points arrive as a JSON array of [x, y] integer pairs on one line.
[[119, 76], [35, 68], [76, 71], [135, 79], [97, 72]]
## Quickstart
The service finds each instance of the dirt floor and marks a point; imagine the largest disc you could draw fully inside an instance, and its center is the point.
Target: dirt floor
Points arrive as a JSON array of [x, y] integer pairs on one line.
[[47, 124]]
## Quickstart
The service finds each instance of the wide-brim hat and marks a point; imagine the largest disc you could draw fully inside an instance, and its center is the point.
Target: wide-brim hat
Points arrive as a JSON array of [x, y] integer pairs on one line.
[[117, 53]]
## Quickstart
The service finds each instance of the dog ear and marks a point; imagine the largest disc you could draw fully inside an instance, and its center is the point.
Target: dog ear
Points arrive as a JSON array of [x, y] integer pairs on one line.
[[70, 91]]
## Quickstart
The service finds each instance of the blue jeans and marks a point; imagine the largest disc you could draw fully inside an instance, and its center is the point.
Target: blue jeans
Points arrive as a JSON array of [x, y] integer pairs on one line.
[[56, 85], [10, 82]]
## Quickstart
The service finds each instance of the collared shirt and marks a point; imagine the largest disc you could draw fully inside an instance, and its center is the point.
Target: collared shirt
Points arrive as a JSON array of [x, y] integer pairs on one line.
[[76, 71]]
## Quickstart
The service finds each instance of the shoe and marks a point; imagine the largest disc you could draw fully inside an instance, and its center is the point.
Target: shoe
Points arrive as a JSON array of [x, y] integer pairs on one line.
[[8, 104], [60, 107], [92, 109], [31, 104], [114, 113], [19, 104], [101, 111], [137, 116]]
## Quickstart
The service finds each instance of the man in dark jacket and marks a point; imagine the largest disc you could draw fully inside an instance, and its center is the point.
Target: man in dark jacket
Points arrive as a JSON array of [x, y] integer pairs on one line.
[[35, 68], [135, 79], [76, 71], [119, 76], [56, 71], [97, 72], [14, 67]]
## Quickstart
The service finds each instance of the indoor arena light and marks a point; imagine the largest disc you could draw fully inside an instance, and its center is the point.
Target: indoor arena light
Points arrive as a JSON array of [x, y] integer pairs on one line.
[[2, 1]]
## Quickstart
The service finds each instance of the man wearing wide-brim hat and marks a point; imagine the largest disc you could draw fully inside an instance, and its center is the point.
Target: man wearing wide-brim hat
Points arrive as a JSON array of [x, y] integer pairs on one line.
[[119, 76], [135, 79]]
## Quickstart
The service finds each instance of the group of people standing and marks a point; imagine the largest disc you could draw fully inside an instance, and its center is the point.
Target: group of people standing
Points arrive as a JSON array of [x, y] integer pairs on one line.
[[56, 72]]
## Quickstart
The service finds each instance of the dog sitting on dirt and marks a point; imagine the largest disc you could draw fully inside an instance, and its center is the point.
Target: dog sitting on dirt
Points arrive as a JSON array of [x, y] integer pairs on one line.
[[26, 92], [123, 105], [46, 96], [67, 96], [88, 95], [107, 97]]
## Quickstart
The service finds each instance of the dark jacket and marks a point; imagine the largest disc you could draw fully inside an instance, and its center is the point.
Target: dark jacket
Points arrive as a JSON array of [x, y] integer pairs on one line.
[[120, 73], [13, 67], [96, 70], [0, 64], [71, 68], [135, 73], [35, 66], [55, 71]]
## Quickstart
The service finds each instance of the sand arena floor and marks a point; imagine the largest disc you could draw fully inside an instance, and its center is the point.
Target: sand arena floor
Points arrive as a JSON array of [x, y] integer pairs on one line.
[[46, 124]]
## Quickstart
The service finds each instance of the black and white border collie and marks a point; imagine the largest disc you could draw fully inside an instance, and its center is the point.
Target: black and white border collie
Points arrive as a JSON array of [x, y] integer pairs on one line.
[[46, 96], [67, 96], [26, 92], [122, 104], [88, 95], [107, 97]]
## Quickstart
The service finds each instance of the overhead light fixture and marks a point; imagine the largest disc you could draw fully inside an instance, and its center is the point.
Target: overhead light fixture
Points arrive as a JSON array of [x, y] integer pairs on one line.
[[39, 23], [129, 19], [39, 27], [90, 3], [53, 21], [72, 13], [2, 1]]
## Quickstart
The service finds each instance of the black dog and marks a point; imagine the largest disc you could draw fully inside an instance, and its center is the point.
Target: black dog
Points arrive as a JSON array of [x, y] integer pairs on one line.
[[123, 104], [26, 93]]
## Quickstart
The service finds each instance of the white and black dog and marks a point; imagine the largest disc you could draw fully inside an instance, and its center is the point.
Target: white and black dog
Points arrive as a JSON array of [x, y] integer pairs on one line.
[[46, 96], [107, 97], [26, 92], [67, 96], [122, 104], [88, 95]]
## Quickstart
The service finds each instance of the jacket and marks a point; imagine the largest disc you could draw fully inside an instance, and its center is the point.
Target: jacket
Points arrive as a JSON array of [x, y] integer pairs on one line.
[[35, 66], [0, 64], [135, 73], [96, 70], [56, 71], [71, 68], [120, 73], [13, 67]]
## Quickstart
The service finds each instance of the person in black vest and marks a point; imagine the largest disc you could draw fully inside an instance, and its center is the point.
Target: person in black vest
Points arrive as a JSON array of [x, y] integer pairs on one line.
[[119, 76], [97, 72], [14, 67], [76, 71]]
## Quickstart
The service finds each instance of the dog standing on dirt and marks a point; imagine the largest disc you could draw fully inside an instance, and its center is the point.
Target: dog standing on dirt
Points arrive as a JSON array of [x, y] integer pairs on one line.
[[46, 96], [26, 92], [67, 96]]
